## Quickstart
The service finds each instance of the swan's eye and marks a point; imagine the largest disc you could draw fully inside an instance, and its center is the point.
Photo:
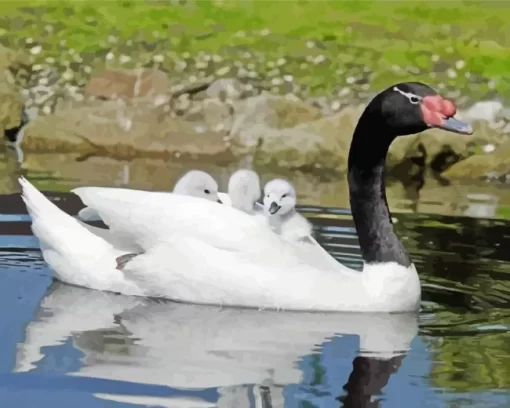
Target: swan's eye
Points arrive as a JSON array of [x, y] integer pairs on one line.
[[207, 191], [414, 100], [285, 195]]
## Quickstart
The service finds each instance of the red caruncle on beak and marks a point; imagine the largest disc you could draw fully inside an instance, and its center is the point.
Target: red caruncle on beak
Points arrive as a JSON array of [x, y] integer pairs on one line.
[[435, 109]]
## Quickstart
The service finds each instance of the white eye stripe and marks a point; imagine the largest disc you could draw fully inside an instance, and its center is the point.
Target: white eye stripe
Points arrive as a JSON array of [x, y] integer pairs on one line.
[[414, 99]]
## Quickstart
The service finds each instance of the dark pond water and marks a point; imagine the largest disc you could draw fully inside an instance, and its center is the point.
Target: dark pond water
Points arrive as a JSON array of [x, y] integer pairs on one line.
[[65, 346]]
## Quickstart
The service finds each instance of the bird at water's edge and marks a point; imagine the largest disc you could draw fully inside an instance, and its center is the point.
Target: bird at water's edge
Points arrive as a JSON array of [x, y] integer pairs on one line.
[[220, 255]]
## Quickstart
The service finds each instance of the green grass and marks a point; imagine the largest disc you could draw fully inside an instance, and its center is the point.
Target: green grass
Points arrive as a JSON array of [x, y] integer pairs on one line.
[[324, 45]]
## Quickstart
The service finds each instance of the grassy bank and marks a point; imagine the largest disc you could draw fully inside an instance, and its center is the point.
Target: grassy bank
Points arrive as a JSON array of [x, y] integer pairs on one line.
[[307, 47]]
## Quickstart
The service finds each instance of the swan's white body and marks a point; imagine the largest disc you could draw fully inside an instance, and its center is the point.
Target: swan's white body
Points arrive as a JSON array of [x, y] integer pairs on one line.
[[208, 253]]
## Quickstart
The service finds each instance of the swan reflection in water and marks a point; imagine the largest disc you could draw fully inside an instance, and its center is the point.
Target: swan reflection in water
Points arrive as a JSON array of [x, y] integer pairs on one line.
[[249, 356]]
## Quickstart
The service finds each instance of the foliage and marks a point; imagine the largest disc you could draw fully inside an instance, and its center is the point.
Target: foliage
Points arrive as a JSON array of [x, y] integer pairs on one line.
[[317, 47]]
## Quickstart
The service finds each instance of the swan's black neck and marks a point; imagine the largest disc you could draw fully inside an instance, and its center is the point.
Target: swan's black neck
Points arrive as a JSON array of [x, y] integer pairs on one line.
[[372, 218]]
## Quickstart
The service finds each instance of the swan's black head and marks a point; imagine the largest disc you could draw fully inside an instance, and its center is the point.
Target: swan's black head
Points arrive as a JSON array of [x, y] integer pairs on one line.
[[412, 107], [402, 109]]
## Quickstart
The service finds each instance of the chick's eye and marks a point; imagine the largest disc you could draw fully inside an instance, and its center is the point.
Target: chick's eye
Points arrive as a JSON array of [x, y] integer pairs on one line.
[[285, 195], [207, 191]]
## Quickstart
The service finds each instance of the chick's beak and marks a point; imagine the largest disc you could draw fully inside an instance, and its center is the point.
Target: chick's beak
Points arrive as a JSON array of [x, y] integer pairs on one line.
[[273, 208]]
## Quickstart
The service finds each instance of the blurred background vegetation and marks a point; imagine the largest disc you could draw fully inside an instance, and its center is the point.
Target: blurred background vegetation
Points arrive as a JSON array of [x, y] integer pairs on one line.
[[307, 47]]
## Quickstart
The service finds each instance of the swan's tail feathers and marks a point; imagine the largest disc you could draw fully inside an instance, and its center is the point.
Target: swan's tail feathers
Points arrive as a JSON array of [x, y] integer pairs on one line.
[[37, 204], [58, 230], [73, 252], [54, 228], [49, 223]]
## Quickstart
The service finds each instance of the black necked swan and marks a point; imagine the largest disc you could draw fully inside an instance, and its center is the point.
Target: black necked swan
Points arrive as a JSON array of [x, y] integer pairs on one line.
[[198, 251]]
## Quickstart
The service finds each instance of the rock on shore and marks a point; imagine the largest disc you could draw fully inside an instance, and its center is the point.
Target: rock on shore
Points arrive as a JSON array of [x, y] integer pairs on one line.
[[127, 114]]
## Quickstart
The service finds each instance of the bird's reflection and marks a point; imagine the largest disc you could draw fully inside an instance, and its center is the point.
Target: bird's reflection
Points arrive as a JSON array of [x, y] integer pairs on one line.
[[18, 152], [14, 136], [249, 356], [367, 379]]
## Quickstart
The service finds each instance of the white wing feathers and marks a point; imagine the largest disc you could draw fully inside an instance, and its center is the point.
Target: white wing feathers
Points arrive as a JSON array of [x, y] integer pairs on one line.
[[148, 218]]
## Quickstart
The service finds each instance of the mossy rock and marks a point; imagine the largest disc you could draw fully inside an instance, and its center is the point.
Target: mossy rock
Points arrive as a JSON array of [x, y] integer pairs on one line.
[[482, 165], [120, 130]]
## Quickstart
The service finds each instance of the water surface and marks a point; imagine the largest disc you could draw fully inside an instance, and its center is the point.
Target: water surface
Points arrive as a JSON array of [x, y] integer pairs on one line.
[[63, 345]]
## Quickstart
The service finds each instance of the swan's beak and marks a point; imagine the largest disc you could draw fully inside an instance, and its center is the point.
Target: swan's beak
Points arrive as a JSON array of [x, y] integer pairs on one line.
[[456, 126], [224, 199], [273, 208]]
